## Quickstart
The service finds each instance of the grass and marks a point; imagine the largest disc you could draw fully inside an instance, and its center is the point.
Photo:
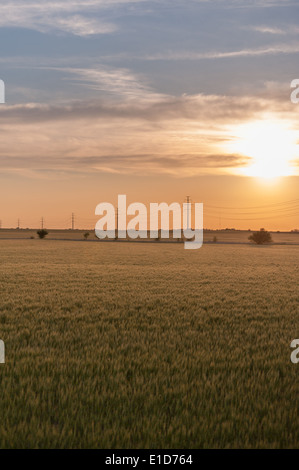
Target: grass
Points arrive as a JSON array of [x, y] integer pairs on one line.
[[135, 345]]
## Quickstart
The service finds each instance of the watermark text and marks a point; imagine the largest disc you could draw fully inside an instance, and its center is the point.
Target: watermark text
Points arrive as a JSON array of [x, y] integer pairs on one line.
[[2, 92], [2, 352], [115, 224], [295, 93]]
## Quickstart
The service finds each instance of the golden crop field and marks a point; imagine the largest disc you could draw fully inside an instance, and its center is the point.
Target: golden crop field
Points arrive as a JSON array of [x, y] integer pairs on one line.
[[119, 345]]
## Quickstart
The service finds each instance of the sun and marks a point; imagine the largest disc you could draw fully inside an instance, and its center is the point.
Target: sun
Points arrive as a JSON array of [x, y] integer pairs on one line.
[[271, 145]]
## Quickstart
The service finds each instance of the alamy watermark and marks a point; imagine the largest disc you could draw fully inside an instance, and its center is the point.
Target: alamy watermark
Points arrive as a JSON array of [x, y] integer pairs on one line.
[[295, 353], [295, 93], [114, 224], [2, 352], [2, 92]]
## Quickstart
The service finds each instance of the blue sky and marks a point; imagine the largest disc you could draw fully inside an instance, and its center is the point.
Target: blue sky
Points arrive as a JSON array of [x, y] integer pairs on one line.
[[173, 47], [104, 88]]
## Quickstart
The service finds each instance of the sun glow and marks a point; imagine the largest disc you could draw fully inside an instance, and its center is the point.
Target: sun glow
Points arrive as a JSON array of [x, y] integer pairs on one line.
[[271, 145]]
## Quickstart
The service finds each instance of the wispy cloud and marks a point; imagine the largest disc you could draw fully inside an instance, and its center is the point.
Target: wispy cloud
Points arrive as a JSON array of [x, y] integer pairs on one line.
[[250, 4], [80, 26], [173, 135], [184, 164], [80, 18], [267, 30], [202, 109], [118, 81], [85, 18], [285, 29], [187, 55]]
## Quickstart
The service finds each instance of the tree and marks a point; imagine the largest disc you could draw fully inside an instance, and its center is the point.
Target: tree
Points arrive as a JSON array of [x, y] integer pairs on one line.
[[42, 233], [261, 238], [86, 235]]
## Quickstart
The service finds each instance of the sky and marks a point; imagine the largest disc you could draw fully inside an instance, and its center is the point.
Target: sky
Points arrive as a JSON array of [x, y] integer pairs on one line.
[[153, 99]]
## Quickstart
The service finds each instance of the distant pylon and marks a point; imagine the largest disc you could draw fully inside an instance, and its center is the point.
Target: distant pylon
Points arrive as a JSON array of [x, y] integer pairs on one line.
[[42, 223], [73, 221], [18, 224]]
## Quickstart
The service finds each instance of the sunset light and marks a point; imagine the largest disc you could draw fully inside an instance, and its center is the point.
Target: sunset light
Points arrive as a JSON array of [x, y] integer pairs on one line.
[[271, 145]]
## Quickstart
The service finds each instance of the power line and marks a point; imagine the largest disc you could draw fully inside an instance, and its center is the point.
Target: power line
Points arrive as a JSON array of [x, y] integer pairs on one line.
[[253, 218], [293, 201]]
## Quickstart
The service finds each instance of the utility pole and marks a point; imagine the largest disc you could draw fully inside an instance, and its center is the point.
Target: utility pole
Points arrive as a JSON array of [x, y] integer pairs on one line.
[[18, 224], [73, 221], [42, 223], [117, 222]]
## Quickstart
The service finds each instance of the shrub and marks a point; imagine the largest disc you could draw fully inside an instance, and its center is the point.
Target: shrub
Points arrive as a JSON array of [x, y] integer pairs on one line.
[[42, 233], [261, 238]]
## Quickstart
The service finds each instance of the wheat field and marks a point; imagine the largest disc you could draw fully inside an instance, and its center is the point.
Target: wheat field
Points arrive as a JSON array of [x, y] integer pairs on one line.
[[112, 345]]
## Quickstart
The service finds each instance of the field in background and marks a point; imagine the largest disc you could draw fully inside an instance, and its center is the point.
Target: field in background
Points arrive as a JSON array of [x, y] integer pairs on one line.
[[223, 236], [134, 345]]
